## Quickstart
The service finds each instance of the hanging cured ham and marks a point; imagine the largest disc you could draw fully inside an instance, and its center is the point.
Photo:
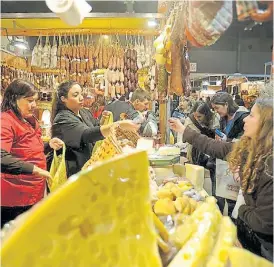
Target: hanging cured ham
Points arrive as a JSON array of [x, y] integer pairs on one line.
[[207, 21]]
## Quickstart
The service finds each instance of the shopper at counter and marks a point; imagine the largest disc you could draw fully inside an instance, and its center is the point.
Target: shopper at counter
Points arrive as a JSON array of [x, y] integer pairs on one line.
[[76, 126], [232, 116], [23, 162], [204, 121], [232, 127], [252, 157], [137, 110]]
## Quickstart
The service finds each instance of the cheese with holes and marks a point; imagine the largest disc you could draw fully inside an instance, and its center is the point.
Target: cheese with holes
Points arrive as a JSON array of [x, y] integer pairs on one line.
[[196, 174], [100, 217]]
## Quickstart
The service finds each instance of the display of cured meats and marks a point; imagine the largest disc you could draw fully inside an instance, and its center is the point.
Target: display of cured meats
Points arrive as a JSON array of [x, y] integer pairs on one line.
[[207, 21], [130, 69]]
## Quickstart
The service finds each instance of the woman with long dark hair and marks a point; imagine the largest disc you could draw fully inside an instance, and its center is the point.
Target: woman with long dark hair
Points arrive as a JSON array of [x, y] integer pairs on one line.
[[252, 159], [76, 126], [203, 120], [23, 162]]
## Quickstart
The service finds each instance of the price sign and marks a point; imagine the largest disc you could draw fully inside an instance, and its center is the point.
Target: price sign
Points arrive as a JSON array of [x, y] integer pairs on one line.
[[193, 67]]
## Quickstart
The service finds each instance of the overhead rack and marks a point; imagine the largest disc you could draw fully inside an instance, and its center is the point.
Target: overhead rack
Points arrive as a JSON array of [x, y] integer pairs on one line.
[[35, 24]]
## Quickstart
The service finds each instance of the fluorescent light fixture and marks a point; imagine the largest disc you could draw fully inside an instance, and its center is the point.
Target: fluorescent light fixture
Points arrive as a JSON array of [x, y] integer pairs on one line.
[[152, 23]]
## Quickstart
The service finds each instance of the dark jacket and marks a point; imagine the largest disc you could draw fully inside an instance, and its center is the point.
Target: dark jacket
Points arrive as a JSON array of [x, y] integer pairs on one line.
[[148, 128], [237, 127], [258, 211], [79, 134], [118, 107]]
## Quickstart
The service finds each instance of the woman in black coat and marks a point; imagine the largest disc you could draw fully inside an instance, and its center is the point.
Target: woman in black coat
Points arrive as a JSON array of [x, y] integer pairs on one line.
[[76, 127], [252, 159]]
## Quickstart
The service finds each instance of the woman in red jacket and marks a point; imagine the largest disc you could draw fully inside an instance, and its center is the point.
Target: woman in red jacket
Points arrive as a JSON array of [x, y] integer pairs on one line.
[[23, 162]]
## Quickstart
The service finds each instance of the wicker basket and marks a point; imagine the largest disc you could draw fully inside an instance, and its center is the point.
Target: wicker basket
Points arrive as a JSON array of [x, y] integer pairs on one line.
[[111, 145]]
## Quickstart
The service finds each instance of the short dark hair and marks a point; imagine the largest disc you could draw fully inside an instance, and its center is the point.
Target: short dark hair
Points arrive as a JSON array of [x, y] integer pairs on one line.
[[223, 98], [16, 90], [141, 95], [62, 90], [237, 97]]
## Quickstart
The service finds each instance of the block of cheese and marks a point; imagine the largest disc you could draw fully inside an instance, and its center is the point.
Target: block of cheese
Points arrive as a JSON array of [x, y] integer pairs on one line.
[[239, 257], [225, 240], [146, 144], [100, 217], [196, 175], [198, 247], [168, 151]]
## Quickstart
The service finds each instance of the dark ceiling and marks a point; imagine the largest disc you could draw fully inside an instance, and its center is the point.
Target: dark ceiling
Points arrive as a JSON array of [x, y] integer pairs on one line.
[[97, 6]]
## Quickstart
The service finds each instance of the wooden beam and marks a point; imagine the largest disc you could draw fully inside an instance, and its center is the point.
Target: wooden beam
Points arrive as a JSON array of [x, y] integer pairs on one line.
[[162, 120]]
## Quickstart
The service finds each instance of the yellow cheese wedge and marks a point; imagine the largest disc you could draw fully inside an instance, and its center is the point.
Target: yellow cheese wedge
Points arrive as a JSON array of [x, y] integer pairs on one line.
[[239, 257], [225, 240], [196, 174], [100, 217], [190, 226], [198, 247], [164, 207]]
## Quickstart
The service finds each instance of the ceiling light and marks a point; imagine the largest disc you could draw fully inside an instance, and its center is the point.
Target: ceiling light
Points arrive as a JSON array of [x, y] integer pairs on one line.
[[152, 23]]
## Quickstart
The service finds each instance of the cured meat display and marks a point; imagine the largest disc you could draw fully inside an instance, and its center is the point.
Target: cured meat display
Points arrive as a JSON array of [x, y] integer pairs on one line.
[[76, 57], [207, 21]]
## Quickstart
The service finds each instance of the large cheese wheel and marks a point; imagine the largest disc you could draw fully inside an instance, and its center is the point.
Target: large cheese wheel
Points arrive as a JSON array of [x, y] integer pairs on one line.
[[100, 217]]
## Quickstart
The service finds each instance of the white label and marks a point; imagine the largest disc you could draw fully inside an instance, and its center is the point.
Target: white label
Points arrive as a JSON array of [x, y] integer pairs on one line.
[[193, 67]]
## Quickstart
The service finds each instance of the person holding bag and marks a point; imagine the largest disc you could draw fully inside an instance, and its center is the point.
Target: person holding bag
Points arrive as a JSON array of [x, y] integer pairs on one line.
[[252, 159], [231, 127], [76, 126], [23, 162]]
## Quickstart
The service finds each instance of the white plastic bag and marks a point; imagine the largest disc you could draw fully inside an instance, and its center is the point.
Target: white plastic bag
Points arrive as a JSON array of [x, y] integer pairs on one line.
[[240, 201], [226, 186]]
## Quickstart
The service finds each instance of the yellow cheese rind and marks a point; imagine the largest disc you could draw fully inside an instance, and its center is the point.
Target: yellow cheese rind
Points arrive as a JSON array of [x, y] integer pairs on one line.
[[225, 240], [196, 250], [100, 217], [239, 257]]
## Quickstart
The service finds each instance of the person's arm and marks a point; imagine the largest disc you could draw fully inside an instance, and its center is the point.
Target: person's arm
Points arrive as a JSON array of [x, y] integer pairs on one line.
[[13, 165], [206, 145], [209, 146]]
